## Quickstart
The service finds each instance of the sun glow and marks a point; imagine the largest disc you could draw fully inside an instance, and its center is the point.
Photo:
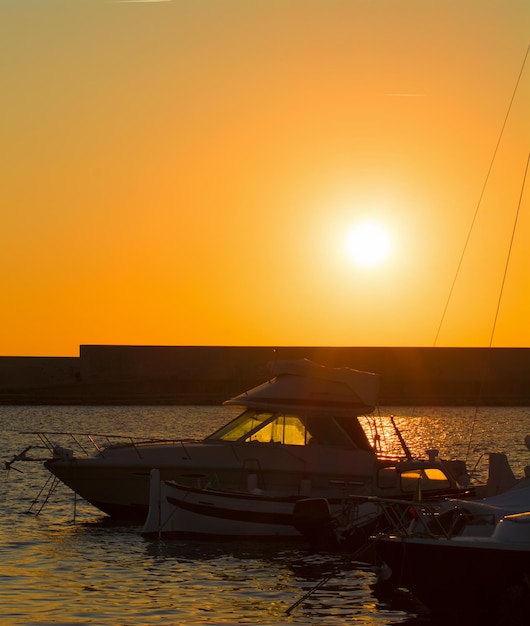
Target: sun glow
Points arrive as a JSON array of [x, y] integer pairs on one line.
[[368, 244]]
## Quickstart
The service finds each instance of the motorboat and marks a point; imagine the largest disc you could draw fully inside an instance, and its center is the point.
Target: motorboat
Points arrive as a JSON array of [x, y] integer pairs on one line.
[[466, 562], [297, 434], [309, 447], [348, 526]]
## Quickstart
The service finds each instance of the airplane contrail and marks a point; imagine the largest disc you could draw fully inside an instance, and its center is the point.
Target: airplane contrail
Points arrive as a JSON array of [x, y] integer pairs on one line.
[[137, 1]]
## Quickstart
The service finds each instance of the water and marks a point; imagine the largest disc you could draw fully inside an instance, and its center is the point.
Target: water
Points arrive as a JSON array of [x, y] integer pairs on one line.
[[61, 570]]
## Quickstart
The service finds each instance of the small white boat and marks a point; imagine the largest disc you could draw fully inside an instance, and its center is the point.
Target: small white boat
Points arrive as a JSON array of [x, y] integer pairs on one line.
[[178, 510]]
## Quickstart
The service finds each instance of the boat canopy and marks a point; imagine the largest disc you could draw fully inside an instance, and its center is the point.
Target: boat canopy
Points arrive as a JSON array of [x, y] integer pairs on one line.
[[303, 384]]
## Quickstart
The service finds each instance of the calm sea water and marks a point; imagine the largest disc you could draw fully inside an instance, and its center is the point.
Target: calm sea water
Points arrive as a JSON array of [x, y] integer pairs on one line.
[[70, 565]]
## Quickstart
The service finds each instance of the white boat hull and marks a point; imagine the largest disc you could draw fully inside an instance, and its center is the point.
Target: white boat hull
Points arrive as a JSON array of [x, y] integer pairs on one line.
[[118, 482], [177, 510]]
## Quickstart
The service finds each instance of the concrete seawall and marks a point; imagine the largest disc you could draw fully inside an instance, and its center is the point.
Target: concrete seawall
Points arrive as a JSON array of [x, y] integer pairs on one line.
[[210, 374]]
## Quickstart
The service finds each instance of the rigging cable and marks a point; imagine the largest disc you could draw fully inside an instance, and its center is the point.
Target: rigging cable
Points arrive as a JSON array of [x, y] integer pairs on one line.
[[483, 377], [468, 237], [480, 200], [509, 252]]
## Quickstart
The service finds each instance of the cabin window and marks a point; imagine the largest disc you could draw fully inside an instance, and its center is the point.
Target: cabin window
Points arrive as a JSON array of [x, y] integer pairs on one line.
[[286, 429], [430, 478], [326, 431], [282, 428], [355, 432], [294, 430], [242, 425]]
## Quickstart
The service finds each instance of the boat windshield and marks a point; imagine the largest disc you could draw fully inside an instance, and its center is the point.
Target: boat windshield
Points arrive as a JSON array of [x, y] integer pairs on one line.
[[242, 425], [284, 428]]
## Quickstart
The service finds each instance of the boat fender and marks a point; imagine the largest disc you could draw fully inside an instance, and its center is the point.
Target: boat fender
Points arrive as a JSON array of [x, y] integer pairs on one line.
[[252, 485], [383, 572]]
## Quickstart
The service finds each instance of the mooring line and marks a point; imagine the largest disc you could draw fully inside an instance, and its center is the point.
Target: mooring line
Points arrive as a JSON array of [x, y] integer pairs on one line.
[[53, 486], [309, 593], [326, 579]]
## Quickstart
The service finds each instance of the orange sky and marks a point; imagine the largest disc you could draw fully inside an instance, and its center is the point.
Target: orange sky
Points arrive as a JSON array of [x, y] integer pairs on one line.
[[185, 173]]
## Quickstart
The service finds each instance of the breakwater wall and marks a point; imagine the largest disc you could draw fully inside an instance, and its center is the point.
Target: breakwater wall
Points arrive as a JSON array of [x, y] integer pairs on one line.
[[119, 374]]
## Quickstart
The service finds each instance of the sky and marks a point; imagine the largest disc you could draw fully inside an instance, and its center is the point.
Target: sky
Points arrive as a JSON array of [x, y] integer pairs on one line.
[[265, 173]]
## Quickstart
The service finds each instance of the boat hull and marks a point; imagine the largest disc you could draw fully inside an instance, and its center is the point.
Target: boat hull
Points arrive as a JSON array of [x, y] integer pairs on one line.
[[181, 511], [473, 581], [118, 483]]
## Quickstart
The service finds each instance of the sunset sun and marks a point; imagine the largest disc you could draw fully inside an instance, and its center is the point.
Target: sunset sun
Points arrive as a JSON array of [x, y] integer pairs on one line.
[[368, 244]]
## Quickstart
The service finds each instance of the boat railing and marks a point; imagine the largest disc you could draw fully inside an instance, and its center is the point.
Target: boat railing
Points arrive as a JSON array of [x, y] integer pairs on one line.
[[405, 518], [84, 443]]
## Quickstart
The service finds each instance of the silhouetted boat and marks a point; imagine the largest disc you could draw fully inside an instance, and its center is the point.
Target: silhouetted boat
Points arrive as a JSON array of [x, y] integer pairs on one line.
[[299, 435], [301, 442], [467, 562]]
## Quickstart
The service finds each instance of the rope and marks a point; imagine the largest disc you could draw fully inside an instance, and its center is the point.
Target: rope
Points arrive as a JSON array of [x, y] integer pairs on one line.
[[351, 557]]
